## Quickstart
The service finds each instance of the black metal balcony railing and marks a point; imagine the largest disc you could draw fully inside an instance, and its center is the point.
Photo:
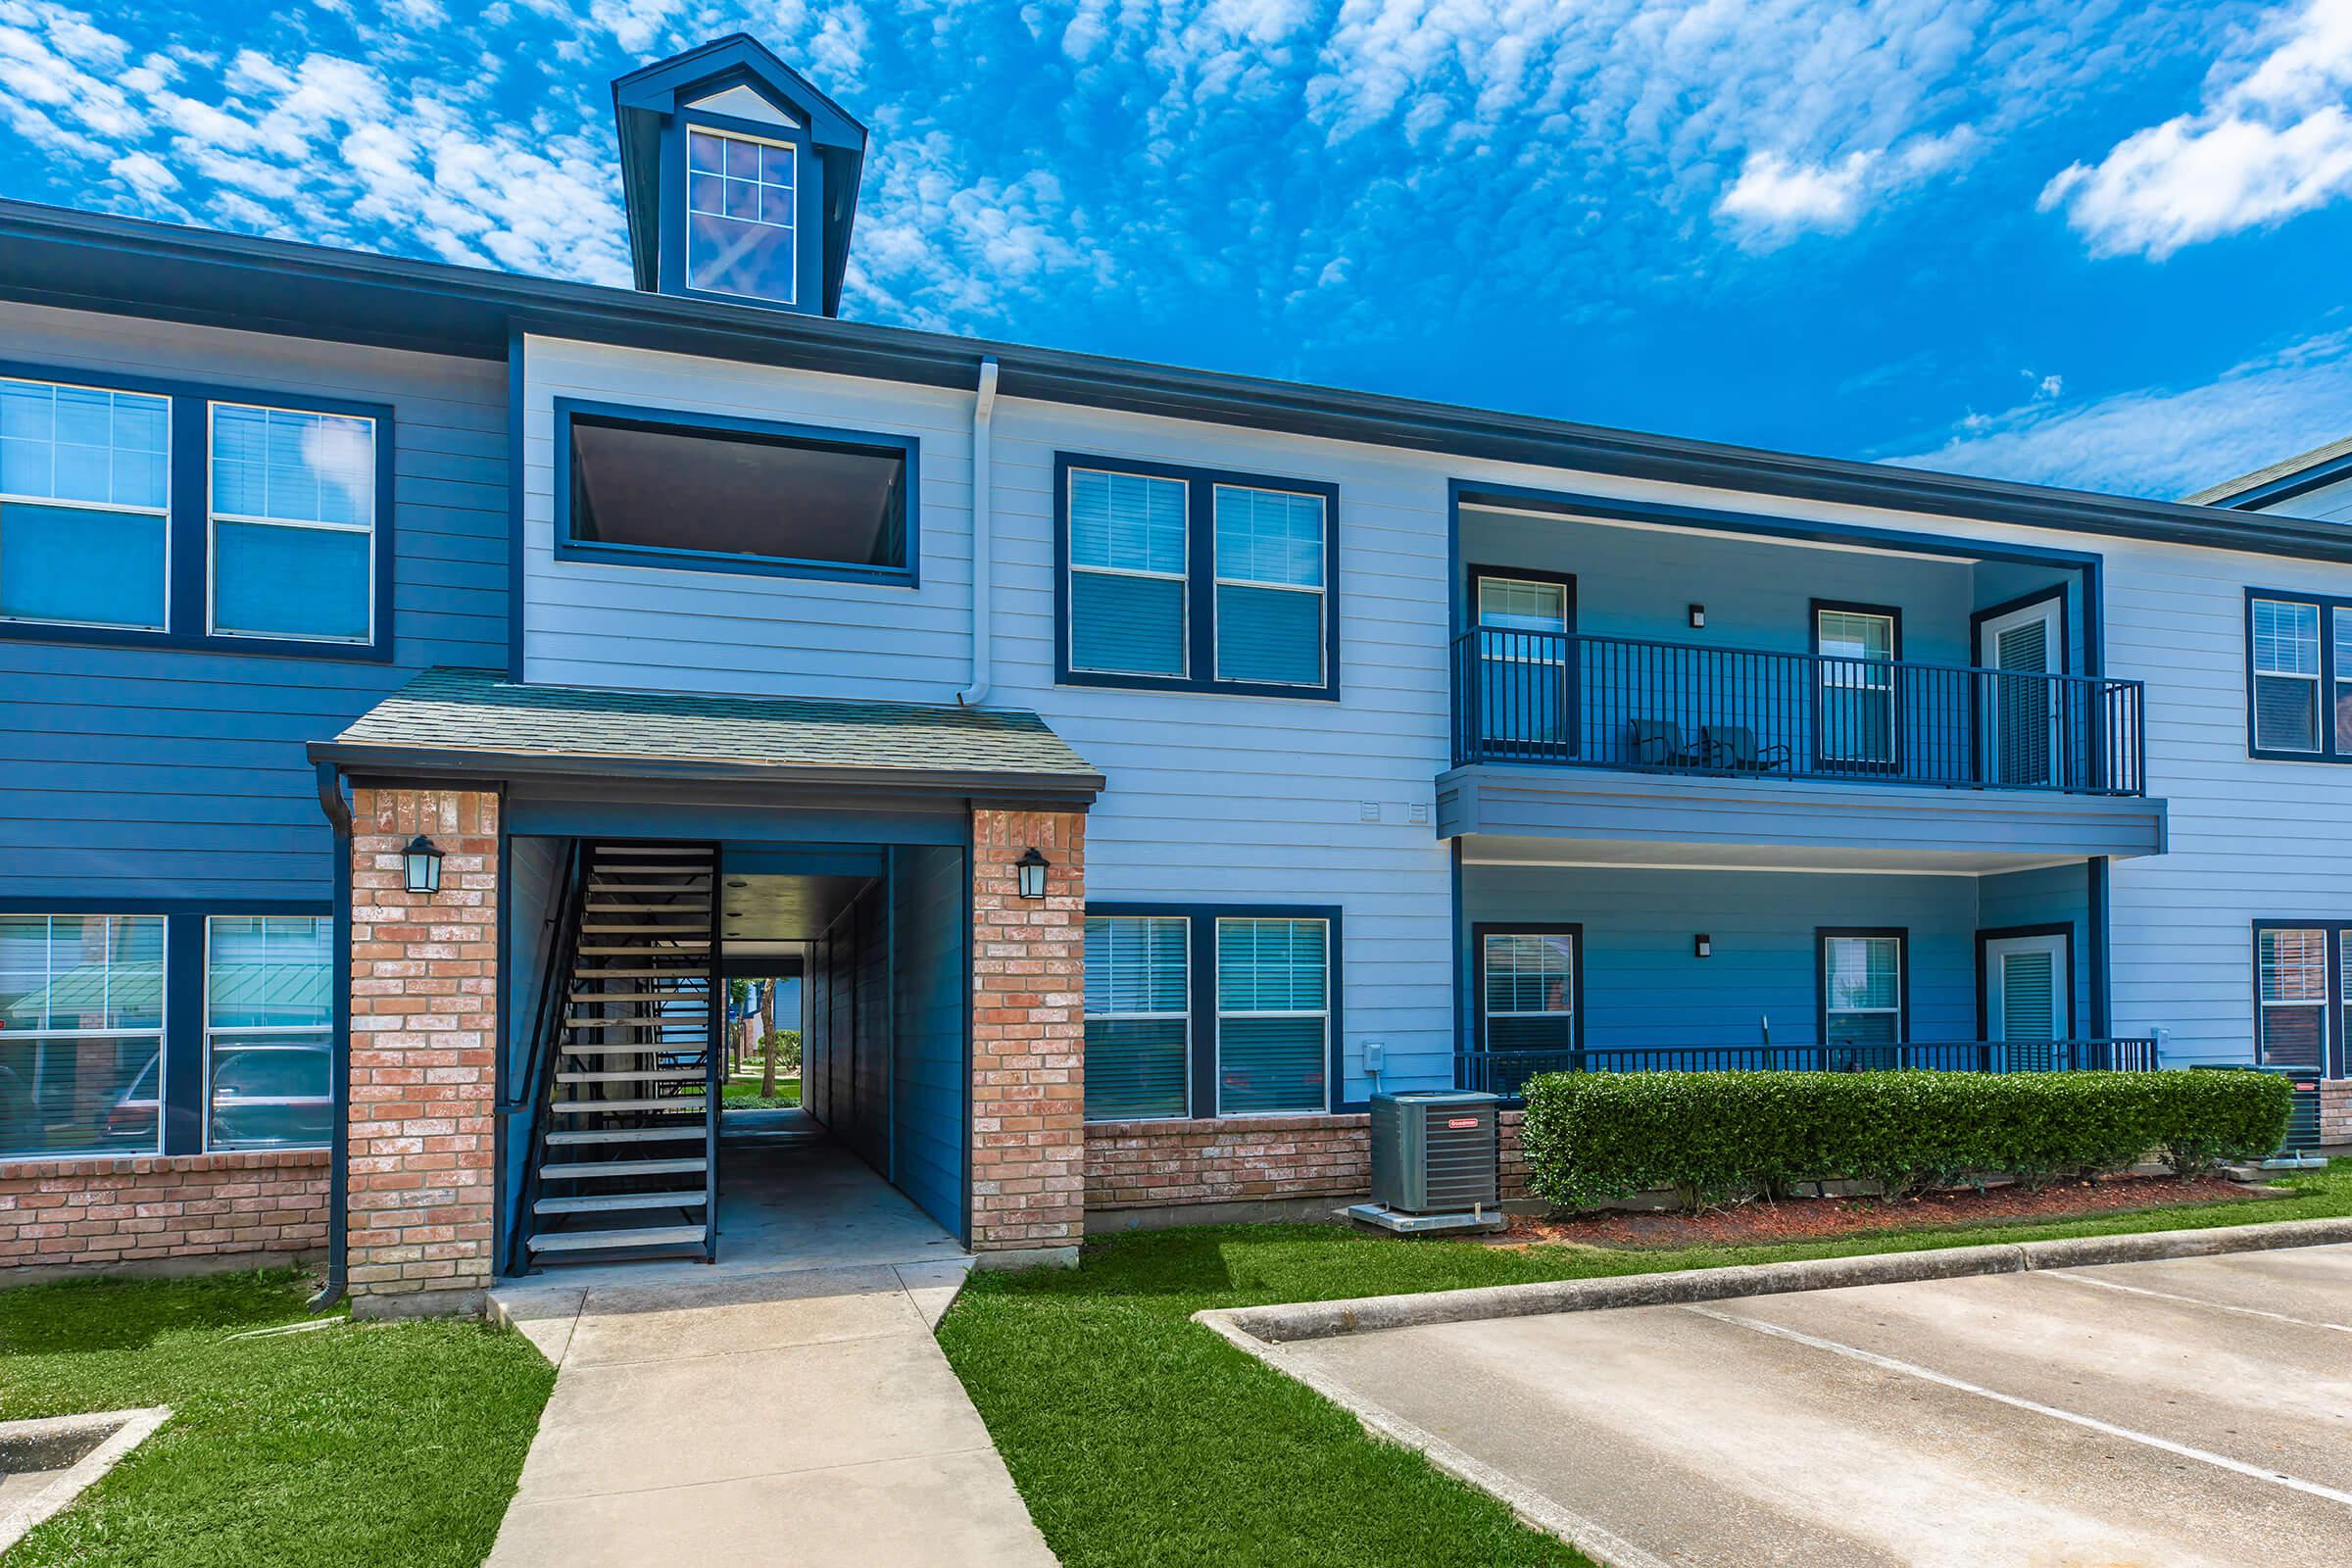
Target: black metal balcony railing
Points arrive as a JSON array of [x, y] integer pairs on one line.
[[1615, 702], [1501, 1073]]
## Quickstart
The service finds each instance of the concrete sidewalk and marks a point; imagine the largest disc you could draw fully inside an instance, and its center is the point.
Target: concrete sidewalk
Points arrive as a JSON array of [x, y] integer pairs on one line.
[[2191, 1413]]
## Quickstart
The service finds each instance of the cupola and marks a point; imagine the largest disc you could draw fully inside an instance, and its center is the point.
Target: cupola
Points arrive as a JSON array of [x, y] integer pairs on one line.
[[741, 178]]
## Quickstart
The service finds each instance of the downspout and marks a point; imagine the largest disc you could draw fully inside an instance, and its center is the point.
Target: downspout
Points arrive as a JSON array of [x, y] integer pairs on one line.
[[984, 409], [338, 1180]]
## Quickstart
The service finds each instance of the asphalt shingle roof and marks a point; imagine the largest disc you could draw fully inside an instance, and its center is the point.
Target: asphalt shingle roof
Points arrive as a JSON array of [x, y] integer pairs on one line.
[[2276, 470], [478, 715]]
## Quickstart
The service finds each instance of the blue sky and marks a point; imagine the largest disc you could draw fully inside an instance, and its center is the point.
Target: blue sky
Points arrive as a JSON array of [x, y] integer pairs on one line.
[[2086, 243]]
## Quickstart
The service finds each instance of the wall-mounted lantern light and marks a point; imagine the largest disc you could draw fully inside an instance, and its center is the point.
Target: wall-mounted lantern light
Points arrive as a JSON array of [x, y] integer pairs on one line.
[[1699, 617], [423, 863], [1703, 946], [1032, 869]]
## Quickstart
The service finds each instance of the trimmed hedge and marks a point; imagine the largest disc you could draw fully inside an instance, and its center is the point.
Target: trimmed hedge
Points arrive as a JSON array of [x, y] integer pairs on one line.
[[1712, 1136]]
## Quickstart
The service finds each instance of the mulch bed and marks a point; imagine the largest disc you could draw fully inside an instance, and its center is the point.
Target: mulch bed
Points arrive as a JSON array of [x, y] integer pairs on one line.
[[1760, 1221]]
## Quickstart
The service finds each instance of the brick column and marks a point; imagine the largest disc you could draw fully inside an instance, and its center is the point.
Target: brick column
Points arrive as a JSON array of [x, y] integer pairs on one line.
[[424, 1054], [2336, 1112], [1028, 1038]]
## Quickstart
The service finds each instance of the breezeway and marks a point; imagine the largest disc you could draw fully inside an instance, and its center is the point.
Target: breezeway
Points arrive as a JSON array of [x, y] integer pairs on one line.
[[2196, 1411]]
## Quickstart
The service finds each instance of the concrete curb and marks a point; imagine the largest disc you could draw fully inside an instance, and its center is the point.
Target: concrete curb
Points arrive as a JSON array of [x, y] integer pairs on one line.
[[1273, 1325]]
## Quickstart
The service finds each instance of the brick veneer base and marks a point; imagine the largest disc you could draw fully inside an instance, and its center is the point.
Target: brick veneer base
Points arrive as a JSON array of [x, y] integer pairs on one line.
[[102, 1216], [1237, 1159], [2335, 1110]]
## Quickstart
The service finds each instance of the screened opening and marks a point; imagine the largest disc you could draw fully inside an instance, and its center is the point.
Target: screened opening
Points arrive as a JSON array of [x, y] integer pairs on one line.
[[743, 494]]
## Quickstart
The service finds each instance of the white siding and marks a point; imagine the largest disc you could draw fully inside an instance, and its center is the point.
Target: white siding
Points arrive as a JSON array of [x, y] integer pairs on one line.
[[1244, 798]]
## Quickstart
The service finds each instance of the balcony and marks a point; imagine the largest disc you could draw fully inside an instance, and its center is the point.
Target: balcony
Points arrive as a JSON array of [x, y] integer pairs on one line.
[[1624, 704]]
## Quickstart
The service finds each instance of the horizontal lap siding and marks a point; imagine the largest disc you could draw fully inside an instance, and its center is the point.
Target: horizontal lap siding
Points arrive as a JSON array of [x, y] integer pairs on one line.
[[140, 773]]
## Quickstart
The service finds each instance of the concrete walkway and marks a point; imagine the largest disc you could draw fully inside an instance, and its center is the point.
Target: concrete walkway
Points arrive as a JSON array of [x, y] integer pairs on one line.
[[2192, 1414], [760, 1412]]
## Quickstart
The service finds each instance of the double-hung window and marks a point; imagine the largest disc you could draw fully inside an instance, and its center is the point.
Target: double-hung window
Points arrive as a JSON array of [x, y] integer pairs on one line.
[[2300, 677], [1855, 647], [1138, 1017], [1207, 1010], [1526, 983], [268, 1010], [2302, 979], [293, 524], [84, 506], [1192, 580], [1273, 1014], [81, 1032], [1862, 985]]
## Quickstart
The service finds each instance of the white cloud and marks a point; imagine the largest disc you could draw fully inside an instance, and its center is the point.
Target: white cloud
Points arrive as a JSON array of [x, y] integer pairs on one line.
[[1774, 193], [2162, 441], [2271, 140]]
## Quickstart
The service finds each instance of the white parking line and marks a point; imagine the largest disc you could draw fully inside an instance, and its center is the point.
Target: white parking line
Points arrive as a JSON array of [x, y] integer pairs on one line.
[[2196, 1301], [1888, 1364]]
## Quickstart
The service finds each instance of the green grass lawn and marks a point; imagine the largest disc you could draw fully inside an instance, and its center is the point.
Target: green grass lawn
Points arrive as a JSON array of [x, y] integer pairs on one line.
[[743, 1094], [1138, 1437], [376, 1444]]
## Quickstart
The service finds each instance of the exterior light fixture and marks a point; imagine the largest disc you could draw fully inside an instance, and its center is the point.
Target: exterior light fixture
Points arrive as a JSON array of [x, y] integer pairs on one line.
[[423, 864], [1703, 946], [1032, 869], [1698, 616]]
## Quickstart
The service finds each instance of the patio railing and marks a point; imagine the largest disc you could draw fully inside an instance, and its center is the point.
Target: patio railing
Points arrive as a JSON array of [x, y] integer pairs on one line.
[[1620, 702], [1501, 1073]]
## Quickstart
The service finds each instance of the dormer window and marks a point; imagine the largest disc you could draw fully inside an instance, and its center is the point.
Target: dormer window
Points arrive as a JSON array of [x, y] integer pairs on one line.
[[740, 196]]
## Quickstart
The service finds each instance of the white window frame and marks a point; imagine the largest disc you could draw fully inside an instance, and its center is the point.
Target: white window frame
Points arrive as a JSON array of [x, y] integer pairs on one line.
[[2326, 1003], [1830, 1011], [1322, 590], [163, 512], [1851, 672], [325, 1031], [1488, 1013], [1184, 1014], [161, 1034], [2257, 675], [213, 518], [793, 229], [1221, 1013], [1183, 579]]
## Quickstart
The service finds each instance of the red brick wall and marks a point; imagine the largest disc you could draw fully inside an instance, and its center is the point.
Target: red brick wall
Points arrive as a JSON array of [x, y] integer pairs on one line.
[[1028, 1033], [2336, 1112], [1160, 1165], [423, 1041], [104, 1214]]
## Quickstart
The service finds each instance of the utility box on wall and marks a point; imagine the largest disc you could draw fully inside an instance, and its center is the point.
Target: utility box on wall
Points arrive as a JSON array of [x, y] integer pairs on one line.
[[1435, 1161]]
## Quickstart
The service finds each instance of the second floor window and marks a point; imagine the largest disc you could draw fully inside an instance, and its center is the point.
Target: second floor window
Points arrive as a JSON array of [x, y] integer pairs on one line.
[[740, 214], [1179, 578], [735, 495], [2300, 677], [293, 523], [84, 506]]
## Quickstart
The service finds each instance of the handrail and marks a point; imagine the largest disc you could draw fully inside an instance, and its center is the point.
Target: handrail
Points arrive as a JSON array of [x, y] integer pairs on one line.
[[1503, 1071], [555, 990], [1628, 703]]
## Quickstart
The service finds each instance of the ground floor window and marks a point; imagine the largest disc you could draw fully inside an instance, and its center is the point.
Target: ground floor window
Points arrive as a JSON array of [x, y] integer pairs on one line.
[[1196, 1010], [268, 1010], [1862, 990], [1528, 985], [81, 1033], [2292, 997]]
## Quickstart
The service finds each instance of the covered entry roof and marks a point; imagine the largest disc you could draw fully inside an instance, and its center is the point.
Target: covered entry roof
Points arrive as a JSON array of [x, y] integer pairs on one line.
[[476, 721]]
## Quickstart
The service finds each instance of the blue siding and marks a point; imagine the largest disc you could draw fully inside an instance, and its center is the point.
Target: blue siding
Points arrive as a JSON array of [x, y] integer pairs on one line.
[[1643, 985], [928, 1091], [2057, 895], [149, 773]]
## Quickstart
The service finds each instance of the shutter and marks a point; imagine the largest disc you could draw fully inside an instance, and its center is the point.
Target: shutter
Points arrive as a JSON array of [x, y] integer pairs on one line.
[[2029, 1001]]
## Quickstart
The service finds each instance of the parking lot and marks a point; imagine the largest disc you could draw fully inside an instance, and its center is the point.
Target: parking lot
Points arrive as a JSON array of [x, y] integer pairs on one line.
[[2171, 1414]]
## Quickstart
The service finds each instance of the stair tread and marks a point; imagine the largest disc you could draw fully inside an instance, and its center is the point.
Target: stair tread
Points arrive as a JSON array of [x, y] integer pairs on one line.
[[677, 1103], [676, 1133], [650, 1235], [650, 1075], [566, 1170], [693, 1198]]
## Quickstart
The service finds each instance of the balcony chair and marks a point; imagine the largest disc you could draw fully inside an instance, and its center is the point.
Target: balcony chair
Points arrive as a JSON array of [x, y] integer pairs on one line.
[[1658, 743], [1733, 747]]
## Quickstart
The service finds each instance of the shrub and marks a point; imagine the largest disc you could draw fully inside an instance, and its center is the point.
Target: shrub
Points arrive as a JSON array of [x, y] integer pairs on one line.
[[1711, 1136]]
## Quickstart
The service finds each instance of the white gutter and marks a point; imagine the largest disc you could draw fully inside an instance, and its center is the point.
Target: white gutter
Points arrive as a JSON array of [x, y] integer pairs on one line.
[[984, 409]]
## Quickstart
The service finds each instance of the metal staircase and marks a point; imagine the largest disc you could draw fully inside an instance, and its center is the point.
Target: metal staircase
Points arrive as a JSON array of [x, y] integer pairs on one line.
[[627, 1134]]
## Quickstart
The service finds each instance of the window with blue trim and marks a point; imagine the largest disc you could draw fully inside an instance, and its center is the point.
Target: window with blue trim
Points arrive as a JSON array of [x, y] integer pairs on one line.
[[740, 214], [1273, 1015], [1138, 1017], [293, 524], [1183, 578], [84, 506], [82, 1035]]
